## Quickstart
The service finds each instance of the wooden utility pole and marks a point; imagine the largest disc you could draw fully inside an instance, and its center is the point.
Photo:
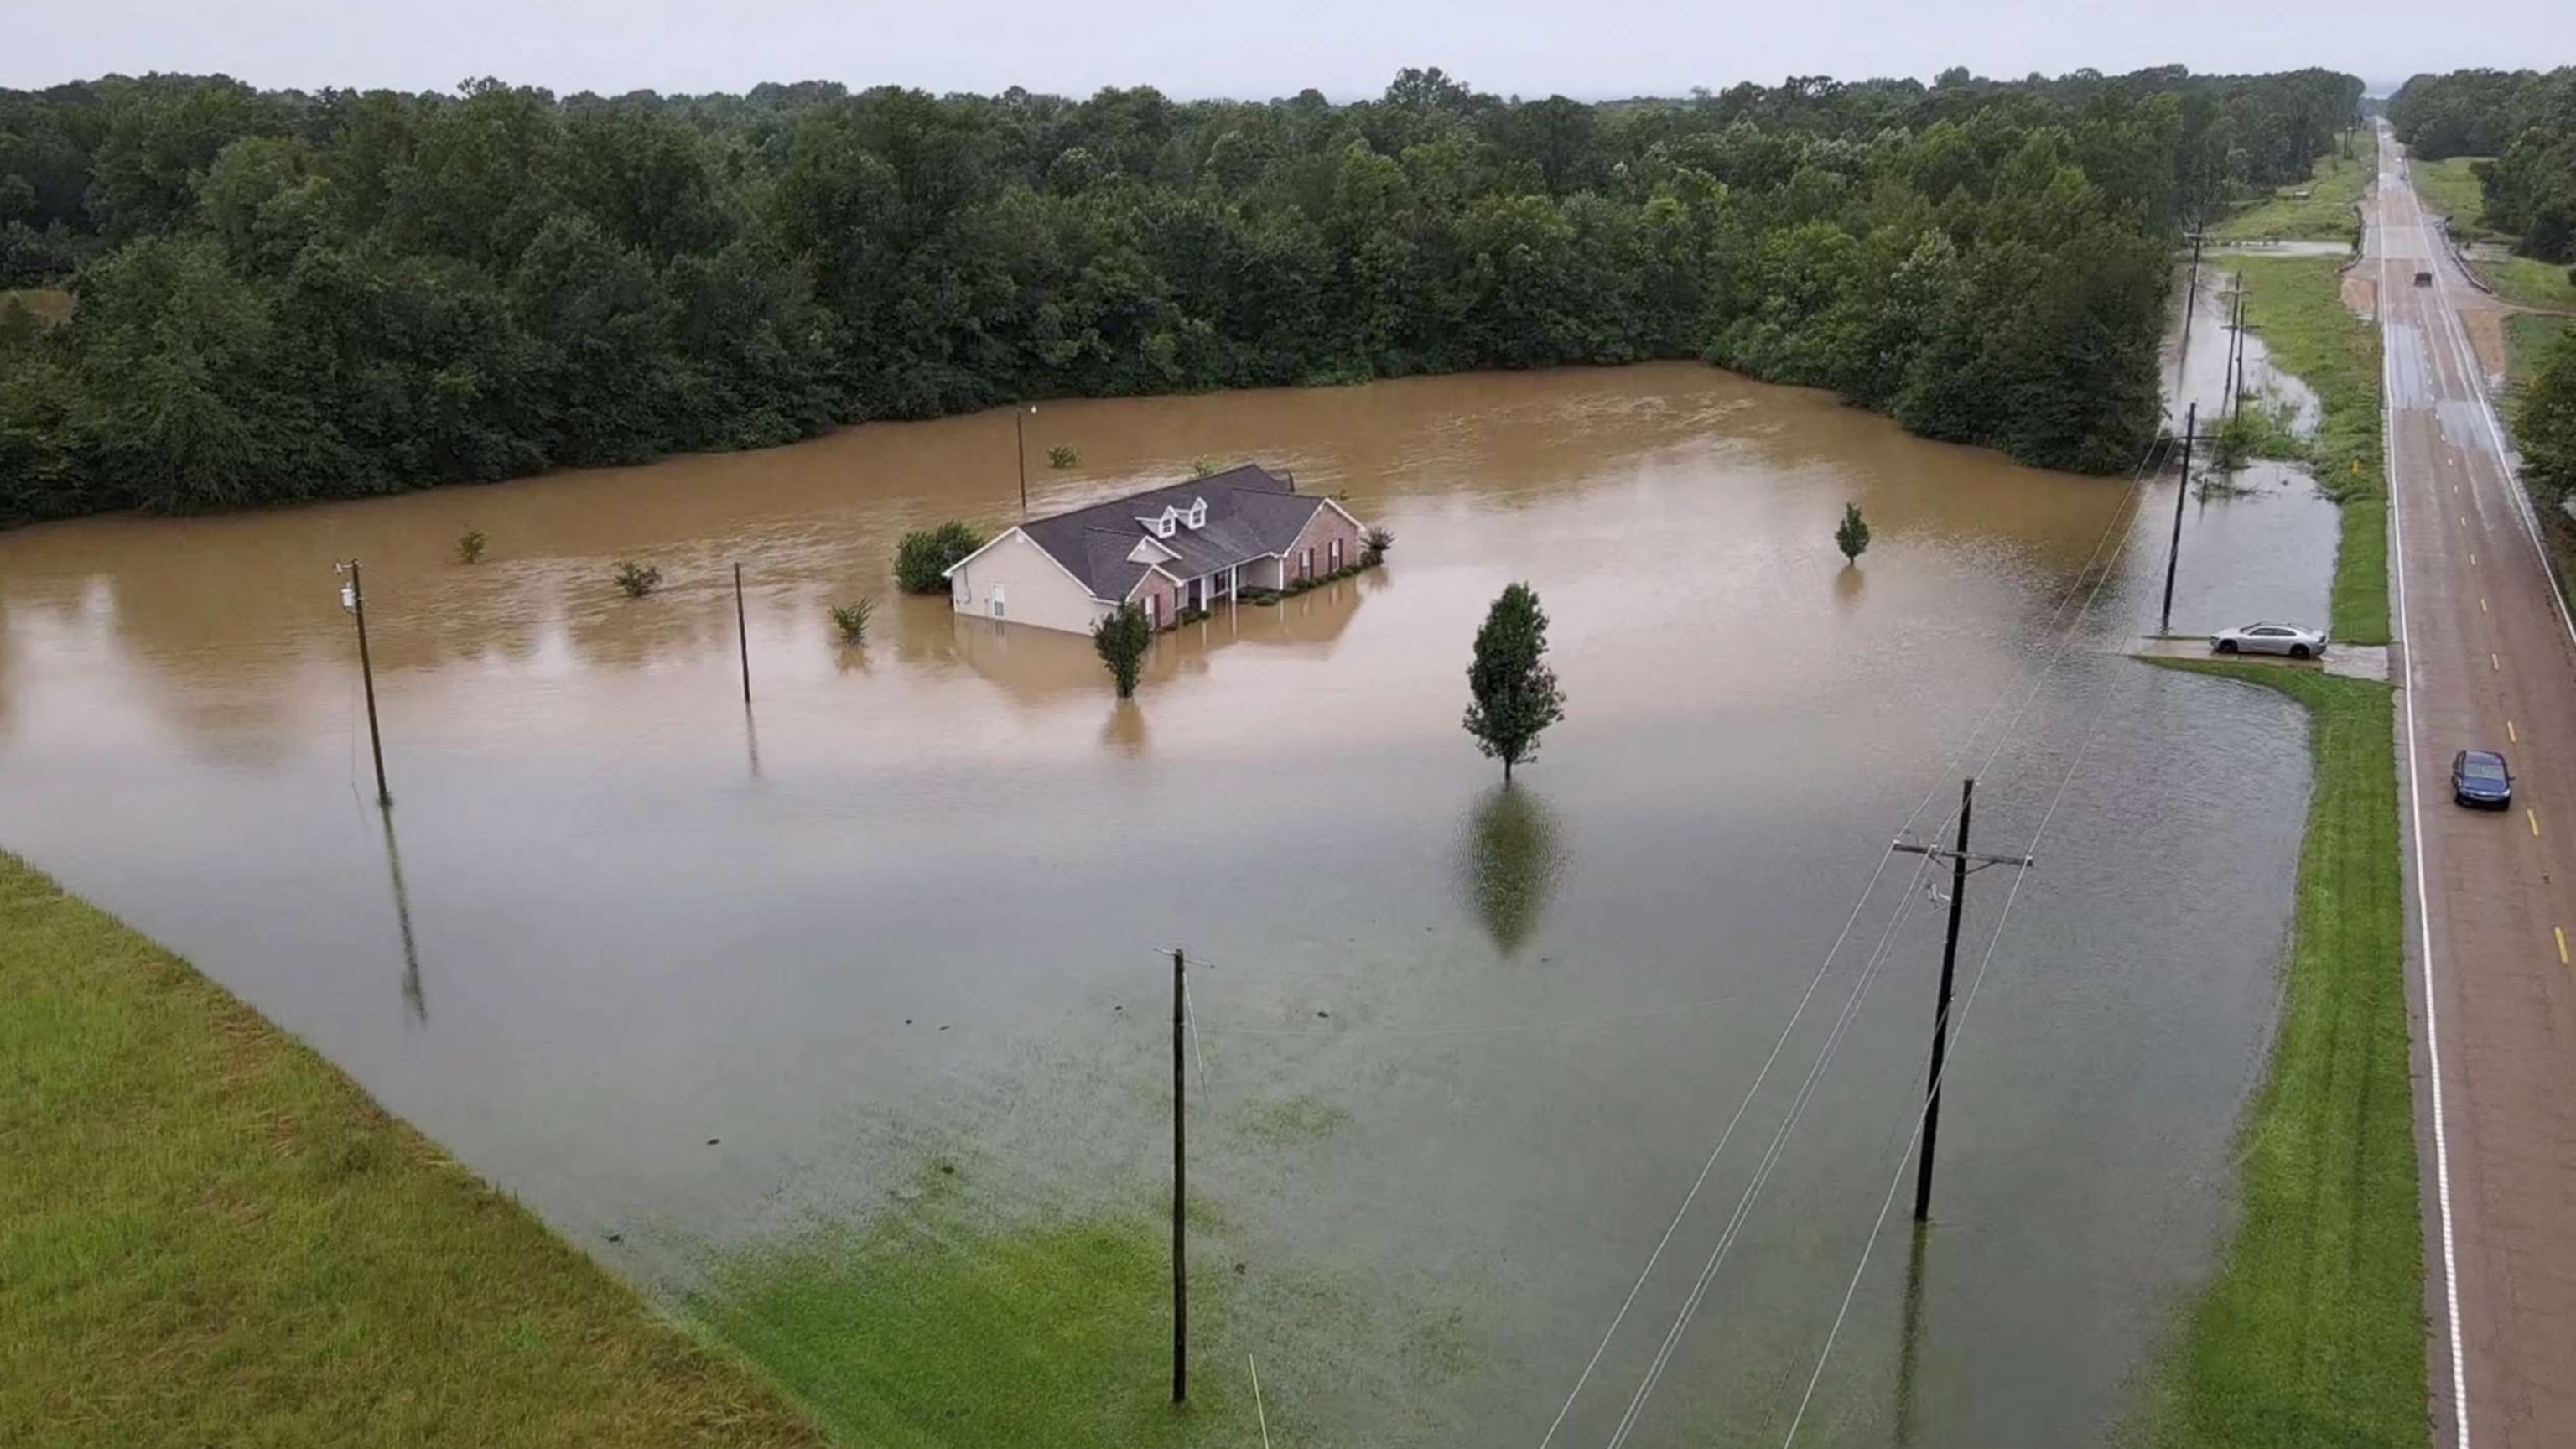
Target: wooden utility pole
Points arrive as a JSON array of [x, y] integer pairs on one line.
[[1180, 1199], [354, 597], [1960, 867], [742, 633], [2190, 304], [1020, 435], [2182, 490]]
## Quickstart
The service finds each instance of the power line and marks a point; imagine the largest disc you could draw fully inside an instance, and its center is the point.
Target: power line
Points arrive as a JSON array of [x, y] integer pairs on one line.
[[1690, 1306], [1922, 1113], [2117, 527]]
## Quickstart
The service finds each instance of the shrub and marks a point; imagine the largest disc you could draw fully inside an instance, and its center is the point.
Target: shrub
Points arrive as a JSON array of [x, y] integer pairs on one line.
[[852, 620], [1121, 639], [638, 579], [1189, 616], [1201, 467], [1853, 536], [1373, 546], [1062, 456], [924, 557], [469, 548]]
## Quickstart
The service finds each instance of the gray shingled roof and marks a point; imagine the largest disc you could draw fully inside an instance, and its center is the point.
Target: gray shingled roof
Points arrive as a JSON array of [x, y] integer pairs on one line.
[[1251, 513]]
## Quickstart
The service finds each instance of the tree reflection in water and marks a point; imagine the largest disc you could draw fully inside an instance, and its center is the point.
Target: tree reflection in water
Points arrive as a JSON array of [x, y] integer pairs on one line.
[[1509, 862]]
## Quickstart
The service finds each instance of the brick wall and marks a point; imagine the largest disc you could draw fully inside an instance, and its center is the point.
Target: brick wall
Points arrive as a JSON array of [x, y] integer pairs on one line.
[[1167, 596], [1327, 526]]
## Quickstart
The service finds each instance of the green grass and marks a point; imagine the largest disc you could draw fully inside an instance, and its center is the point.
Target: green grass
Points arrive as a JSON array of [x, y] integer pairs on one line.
[[2324, 214], [2313, 1331], [935, 1326], [50, 304], [2528, 338], [2528, 283], [2296, 305], [2451, 190], [210, 1236]]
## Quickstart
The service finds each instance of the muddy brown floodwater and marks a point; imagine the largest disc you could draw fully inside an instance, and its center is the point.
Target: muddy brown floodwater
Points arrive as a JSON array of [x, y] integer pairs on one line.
[[693, 976]]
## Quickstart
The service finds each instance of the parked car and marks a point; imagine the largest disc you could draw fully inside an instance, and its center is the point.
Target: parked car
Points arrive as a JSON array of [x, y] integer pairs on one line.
[[2287, 639], [2481, 778]]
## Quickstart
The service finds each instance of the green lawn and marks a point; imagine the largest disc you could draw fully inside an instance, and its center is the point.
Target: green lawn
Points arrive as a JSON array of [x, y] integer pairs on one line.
[[2527, 283], [50, 304], [2313, 1332], [2528, 336], [2447, 187], [2296, 305], [209, 1236], [2324, 214]]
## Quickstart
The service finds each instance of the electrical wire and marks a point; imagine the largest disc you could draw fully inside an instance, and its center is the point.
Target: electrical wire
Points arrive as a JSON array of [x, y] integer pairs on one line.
[[2120, 526]]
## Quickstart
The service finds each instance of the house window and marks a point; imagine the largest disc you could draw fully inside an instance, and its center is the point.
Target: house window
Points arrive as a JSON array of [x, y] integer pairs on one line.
[[1154, 611], [1306, 564], [1336, 555], [997, 601], [1198, 513]]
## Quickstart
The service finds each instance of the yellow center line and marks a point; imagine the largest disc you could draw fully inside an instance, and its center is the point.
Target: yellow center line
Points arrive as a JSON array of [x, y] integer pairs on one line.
[[2482, 604], [2473, 560], [2561, 933], [2534, 817], [2464, 520], [2495, 664], [2509, 734]]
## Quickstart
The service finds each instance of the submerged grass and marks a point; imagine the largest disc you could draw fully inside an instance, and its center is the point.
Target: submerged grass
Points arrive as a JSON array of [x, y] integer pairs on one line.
[[2296, 305], [210, 1236], [2313, 1332], [2324, 214]]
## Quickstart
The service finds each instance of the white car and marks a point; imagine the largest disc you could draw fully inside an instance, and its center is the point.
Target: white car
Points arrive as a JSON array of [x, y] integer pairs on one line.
[[2287, 639]]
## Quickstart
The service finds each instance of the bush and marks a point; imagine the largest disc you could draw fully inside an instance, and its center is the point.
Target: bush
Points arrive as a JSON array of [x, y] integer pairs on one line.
[[469, 548], [1373, 546], [1202, 467], [1121, 639], [1062, 456], [1188, 616], [638, 579], [923, 559], [852, 620]]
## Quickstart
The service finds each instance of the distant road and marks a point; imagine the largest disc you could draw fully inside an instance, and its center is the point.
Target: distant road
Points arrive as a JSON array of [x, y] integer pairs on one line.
[[2490, 662]]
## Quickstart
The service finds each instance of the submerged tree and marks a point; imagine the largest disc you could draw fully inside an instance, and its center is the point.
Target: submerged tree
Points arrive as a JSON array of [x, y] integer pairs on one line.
[[1122, 638], [1515, 693], [1853, 537], [924, 557]]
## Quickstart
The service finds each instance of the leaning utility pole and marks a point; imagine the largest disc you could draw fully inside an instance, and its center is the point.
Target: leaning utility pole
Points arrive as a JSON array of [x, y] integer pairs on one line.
[[742, 633], [2182, 490], [1180, 1201], [1020, 435], [2190, 304], [353, 597], [1960, 868]]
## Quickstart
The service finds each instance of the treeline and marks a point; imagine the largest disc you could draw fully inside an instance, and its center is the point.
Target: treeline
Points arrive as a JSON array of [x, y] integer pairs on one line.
[[287, 296], [2526, 121]]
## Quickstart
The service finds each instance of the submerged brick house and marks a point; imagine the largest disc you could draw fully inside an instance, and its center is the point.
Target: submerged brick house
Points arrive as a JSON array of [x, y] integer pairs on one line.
[[1188, 545]]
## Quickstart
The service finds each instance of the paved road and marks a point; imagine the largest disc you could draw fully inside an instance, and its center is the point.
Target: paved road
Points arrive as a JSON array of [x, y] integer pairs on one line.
[[2490, 661]]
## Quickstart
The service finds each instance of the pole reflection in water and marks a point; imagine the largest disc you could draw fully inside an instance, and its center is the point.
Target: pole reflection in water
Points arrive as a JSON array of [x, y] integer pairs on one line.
[[415, 1003], [1913, 1329], [751, 738]]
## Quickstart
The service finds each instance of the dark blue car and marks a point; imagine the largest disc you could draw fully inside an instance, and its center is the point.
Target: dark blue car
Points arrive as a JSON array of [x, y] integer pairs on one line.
[[2479, 777]]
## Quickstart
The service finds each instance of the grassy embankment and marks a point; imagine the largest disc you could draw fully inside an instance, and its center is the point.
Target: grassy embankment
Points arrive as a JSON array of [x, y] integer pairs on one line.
[[2313, 1331], [208, 1235], [2447, 187], [2296, 305], [2324, 214]]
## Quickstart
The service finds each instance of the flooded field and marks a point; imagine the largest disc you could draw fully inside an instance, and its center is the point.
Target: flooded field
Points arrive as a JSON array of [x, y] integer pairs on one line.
[[697, 982]]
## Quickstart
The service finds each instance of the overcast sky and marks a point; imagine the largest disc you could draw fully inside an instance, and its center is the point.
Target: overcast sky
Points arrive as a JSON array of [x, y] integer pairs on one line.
[[1347, 48]]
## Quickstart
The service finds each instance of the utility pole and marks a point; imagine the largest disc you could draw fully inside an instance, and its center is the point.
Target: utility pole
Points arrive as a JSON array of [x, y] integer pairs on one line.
[[353, 597], [1960, 868], [2190, 304], [2182, 490], [2236, 354], [742, 633], [1180, 1201], [1020, 434]]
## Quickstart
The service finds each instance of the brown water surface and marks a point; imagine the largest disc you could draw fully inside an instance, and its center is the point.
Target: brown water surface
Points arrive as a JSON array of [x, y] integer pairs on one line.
[[692, 974]]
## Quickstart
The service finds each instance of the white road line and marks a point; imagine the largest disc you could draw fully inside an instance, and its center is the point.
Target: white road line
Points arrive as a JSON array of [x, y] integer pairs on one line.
[[2423, 901]]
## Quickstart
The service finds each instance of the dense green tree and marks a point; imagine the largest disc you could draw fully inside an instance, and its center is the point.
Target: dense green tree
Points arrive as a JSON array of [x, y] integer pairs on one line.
[[286, 295], [1121, 638], [1513, 695], [2545, 429]]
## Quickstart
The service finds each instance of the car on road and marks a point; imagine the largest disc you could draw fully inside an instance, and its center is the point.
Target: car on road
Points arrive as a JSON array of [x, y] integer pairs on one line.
[[2287, 639], [2423, 279], [2481, 778]]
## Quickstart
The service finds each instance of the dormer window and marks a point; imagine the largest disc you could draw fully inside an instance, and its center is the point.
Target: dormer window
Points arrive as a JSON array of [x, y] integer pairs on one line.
[[1198, 513], [1163, 525]]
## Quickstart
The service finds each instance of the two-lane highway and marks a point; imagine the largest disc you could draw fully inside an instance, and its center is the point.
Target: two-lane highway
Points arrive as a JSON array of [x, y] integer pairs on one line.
[[2490, 663]]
